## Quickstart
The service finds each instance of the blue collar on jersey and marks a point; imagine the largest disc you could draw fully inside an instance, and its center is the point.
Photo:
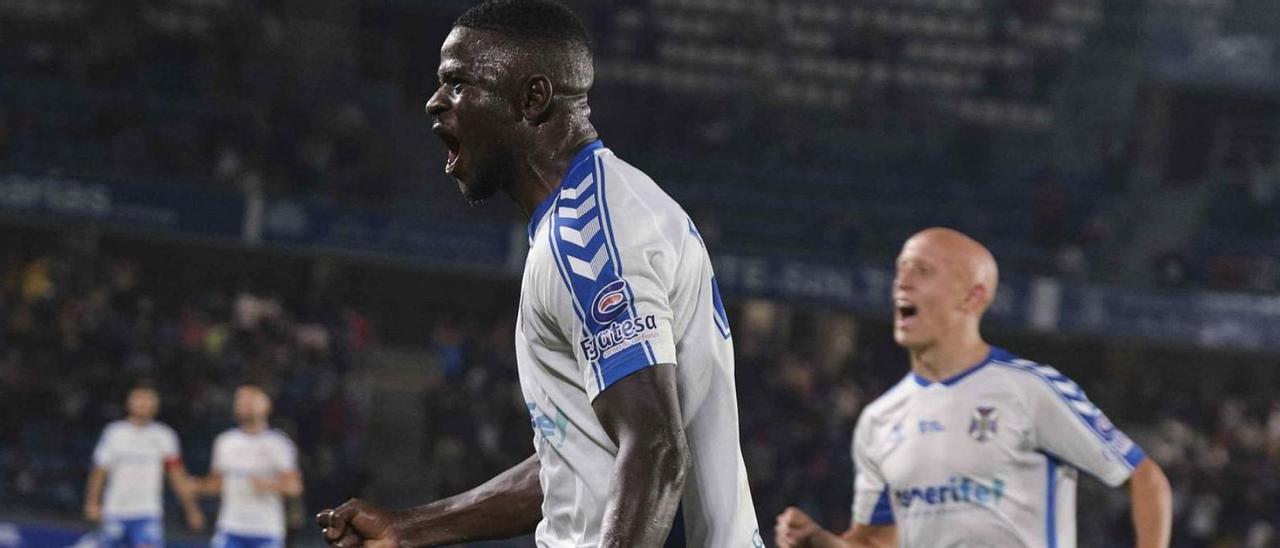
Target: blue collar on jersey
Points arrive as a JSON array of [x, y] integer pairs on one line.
[[579, 167], [996, 354]]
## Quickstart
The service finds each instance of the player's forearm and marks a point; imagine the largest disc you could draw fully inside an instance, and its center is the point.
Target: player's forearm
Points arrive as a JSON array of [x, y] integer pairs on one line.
[[209, 486], [93, 488], [862, 535], [506, 506], [291, 486], [184, 486], [649, 476], [288, 484], [823, 538], [1152, 501]]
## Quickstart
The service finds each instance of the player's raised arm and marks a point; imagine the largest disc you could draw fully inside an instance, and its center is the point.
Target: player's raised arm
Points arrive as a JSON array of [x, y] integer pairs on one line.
[[1152, 501], [508, 505], [641, 414]]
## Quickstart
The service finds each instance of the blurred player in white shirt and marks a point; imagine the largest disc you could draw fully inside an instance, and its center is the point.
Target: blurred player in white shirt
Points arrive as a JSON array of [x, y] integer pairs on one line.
[[254, 467], [976, 447], [131, 458]]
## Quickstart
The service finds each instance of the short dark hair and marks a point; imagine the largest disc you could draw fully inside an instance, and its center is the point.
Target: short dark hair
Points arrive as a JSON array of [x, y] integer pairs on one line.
[[528, 19]]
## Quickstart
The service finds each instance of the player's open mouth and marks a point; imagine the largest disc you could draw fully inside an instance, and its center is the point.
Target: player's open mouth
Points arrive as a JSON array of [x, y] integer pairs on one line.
[[452, 144], [905, 310]]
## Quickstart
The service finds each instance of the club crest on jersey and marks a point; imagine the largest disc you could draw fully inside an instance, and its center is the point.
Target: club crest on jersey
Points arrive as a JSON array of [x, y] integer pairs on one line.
[[610, 302], [984, 422], [1105, 427]]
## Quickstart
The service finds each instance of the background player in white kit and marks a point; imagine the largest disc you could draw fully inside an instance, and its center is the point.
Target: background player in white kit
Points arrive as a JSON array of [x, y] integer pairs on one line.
[[976, 447], [254, 468], [131, 459], [623, 349]]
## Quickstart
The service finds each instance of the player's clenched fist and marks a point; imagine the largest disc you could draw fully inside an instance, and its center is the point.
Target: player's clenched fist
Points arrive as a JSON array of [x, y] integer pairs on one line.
[[358, 523], [794, 528]]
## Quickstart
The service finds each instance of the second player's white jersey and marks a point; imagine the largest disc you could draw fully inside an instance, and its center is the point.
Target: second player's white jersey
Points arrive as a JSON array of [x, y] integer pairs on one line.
[[618, 279], [135, 458], [240, 457], [988, 458]]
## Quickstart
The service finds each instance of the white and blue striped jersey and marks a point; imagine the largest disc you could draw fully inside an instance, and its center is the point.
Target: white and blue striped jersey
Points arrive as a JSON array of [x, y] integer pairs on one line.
[[618, 279], [988, 457]]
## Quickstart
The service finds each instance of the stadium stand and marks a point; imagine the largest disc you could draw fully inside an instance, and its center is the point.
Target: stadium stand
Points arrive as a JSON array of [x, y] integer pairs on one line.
[[808, 130], [173, 93]]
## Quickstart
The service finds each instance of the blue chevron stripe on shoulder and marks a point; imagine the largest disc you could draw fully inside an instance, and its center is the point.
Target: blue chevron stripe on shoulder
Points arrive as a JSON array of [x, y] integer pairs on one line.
[[612, 245], [1075, 399], [615, 336]]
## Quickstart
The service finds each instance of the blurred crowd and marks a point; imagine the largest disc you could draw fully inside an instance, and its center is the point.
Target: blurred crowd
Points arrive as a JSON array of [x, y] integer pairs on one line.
[[205, 92], [274, 97], [262, 96], [1236, 249], [79, 327]]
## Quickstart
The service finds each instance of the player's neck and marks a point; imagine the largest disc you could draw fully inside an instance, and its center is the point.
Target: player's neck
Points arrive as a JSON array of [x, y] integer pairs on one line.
[[539, 174], [139, 421], [254, 427], [948, 358]]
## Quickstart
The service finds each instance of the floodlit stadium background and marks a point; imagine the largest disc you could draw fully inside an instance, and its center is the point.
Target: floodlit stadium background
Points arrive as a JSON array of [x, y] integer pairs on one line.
[[202, 192]]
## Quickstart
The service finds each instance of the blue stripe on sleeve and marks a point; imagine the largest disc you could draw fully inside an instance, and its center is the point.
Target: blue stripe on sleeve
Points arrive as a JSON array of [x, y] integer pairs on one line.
[[564, 277], [1135, 456], [883, 512], [1073, 397], [615, 339], [612, 245], [1051, 496], [626, 362]]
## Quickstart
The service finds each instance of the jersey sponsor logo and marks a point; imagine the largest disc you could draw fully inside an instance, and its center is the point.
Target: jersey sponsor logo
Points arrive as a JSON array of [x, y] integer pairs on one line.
[[983, 423], [619, 336], [930, 426], [1105, 426], [552, 429], [610, 302], [956, 490]]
